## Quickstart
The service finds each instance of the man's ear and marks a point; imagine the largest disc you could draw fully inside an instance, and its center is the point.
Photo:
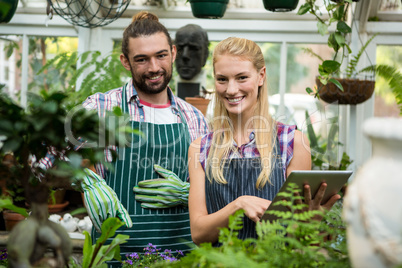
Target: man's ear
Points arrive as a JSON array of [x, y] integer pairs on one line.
[[124, 61], [174, 53]]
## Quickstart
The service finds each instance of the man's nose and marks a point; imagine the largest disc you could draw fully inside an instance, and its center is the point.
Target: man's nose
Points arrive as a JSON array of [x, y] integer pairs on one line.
[[153, 65]]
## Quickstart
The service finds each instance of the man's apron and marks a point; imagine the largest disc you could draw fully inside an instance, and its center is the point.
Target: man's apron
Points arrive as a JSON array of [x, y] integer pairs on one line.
[[167, 146], [241, 175]]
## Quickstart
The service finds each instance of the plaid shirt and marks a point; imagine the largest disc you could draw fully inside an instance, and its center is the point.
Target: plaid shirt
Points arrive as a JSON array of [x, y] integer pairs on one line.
[[285, 134], [102, 102]]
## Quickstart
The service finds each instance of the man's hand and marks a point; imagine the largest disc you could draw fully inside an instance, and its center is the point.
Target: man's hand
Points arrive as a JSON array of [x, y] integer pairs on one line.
[[101, 201], [165, 192]]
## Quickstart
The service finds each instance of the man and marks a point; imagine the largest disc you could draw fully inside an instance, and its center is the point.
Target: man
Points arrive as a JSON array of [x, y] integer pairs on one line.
[[168, 125]]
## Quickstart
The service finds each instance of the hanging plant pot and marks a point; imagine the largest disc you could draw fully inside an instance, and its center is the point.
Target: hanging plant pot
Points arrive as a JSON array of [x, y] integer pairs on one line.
[[7, 10], [355, 91], [280, 5], [208, 9]]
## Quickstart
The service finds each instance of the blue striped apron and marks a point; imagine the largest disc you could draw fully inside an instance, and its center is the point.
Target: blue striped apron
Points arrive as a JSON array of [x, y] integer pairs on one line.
[[241, 175]]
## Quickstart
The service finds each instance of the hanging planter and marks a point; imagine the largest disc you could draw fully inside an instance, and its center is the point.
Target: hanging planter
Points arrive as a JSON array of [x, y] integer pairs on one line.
[[208, 9], [280, 5], [355, 91], [7, 10]]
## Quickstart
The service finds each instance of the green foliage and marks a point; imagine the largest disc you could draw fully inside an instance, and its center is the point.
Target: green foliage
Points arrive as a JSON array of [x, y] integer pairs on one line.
[[29, 134], [96, 255], [100, 74], [324, 150], [294, 241]]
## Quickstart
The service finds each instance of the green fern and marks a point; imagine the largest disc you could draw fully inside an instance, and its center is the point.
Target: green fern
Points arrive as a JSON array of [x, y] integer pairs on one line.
[[351, 68]]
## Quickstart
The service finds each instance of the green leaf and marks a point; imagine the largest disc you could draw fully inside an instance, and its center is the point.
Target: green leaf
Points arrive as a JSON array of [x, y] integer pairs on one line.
[[322, 28], [337, 83], [340, 39], [304, 9], [330, 66], [7, 203], [343, 27], [309, 90], [109, 227], [111, 251], [332, 42], [87, 251]]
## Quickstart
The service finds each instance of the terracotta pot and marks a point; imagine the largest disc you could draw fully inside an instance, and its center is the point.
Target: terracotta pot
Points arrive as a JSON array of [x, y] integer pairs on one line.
[[355, 91], [11, 219], [199, 103]]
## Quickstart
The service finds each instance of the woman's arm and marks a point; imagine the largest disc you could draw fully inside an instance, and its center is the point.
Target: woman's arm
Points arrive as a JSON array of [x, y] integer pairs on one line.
[[204, 226]]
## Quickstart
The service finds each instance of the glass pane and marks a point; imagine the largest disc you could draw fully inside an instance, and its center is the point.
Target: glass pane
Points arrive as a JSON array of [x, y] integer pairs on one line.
[[385, 103], [390, 5], [272, 55]]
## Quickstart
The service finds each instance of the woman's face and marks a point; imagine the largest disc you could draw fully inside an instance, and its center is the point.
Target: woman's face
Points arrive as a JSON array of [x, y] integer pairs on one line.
[[236, 83]]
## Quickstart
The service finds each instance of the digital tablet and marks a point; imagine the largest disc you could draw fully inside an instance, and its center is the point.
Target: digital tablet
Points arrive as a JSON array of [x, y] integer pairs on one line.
[[335, 179]]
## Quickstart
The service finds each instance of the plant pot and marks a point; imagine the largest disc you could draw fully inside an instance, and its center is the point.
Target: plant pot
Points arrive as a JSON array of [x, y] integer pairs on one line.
[[280, 5], [7, 9], [11, 219], [373, 201], [208, 9], [199, 103], [355, 91]]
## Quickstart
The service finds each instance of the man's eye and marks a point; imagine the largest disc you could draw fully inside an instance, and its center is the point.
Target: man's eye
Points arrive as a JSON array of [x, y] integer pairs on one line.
[[139, 60], [162, 56]]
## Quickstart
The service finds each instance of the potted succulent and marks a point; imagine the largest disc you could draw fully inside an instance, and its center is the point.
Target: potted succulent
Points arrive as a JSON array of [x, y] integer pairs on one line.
[[208, 9], [27, 135], [350, 89], [280, 5]]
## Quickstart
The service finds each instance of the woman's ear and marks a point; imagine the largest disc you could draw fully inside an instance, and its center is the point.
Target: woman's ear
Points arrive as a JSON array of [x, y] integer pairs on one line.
[[124, 61], [262, 76]]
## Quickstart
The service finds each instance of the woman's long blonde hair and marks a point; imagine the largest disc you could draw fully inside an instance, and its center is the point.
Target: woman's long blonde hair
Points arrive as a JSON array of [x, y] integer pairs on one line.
[[222, 141]]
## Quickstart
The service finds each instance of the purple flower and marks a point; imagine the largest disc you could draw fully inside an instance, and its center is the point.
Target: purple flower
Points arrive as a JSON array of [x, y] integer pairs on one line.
[[180, 252], [129, 262], [134, 256]]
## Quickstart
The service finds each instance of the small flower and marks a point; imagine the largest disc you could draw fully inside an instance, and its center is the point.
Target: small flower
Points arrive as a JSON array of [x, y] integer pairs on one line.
[[180, 252], [129, 262], [134, 255]]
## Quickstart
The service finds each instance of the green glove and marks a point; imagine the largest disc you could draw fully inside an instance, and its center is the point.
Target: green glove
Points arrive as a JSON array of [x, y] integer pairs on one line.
[[165, 192], [101, 201]]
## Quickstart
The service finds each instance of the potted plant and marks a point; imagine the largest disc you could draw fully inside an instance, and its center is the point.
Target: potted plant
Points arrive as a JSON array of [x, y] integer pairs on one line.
[[28, 134], [348, 89], [208, 9], [7, 10], [280, 5]]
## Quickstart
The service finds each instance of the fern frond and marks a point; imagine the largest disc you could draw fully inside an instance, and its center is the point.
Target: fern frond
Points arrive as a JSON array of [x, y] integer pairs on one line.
[[312, 53], [351, 69]]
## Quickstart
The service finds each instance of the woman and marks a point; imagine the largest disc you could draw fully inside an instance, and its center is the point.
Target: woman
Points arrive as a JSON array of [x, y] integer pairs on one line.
[[243, 163]]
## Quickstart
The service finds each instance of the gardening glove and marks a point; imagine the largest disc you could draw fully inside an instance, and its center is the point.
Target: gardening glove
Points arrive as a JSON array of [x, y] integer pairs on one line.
[[101, 201], [165, 192]]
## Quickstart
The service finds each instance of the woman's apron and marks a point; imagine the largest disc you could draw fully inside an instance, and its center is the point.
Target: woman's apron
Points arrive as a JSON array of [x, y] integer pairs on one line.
[[167, 146], [241, 175]]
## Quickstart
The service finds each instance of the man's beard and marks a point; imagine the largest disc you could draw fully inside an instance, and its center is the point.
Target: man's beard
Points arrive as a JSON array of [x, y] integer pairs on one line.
[[140, 82]]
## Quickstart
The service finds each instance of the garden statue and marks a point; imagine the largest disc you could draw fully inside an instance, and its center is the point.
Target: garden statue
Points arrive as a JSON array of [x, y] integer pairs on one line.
[[192, 53], [373, 201]]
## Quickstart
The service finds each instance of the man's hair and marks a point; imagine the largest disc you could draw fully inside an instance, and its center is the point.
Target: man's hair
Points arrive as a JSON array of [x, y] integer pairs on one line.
[[143, 24]]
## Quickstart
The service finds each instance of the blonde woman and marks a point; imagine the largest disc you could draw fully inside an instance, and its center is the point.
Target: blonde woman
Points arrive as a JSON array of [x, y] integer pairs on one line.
[[244, 161]]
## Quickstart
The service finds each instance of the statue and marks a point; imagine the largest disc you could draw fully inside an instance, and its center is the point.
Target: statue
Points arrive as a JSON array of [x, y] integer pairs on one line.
[[192, 53]]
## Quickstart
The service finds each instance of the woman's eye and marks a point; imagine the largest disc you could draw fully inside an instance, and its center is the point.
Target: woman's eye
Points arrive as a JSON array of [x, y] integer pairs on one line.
[[220, 79], [242, 77]]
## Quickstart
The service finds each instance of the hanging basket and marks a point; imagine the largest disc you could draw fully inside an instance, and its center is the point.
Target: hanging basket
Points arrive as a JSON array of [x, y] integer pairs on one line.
[[208, 9], [7, 10], [355, 91], [280, 5]]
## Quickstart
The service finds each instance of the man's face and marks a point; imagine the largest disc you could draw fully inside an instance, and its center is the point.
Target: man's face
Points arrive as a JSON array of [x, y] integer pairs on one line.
[[190, 54], [150, 62]]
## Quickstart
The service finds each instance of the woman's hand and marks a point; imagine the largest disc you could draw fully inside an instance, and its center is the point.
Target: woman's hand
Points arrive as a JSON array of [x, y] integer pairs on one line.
[[315, 204], [254, 207]]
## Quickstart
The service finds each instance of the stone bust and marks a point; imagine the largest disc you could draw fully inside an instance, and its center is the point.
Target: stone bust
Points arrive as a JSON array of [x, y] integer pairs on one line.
[[192, 50]]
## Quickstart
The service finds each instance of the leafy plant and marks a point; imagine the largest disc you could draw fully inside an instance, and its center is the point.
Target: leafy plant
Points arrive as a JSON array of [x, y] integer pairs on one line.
[[28, 136], [101, 74], [324, 150], [294, 241]]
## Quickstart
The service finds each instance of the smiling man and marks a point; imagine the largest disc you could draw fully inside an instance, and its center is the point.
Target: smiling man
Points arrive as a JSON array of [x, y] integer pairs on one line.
[[169, 124]]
